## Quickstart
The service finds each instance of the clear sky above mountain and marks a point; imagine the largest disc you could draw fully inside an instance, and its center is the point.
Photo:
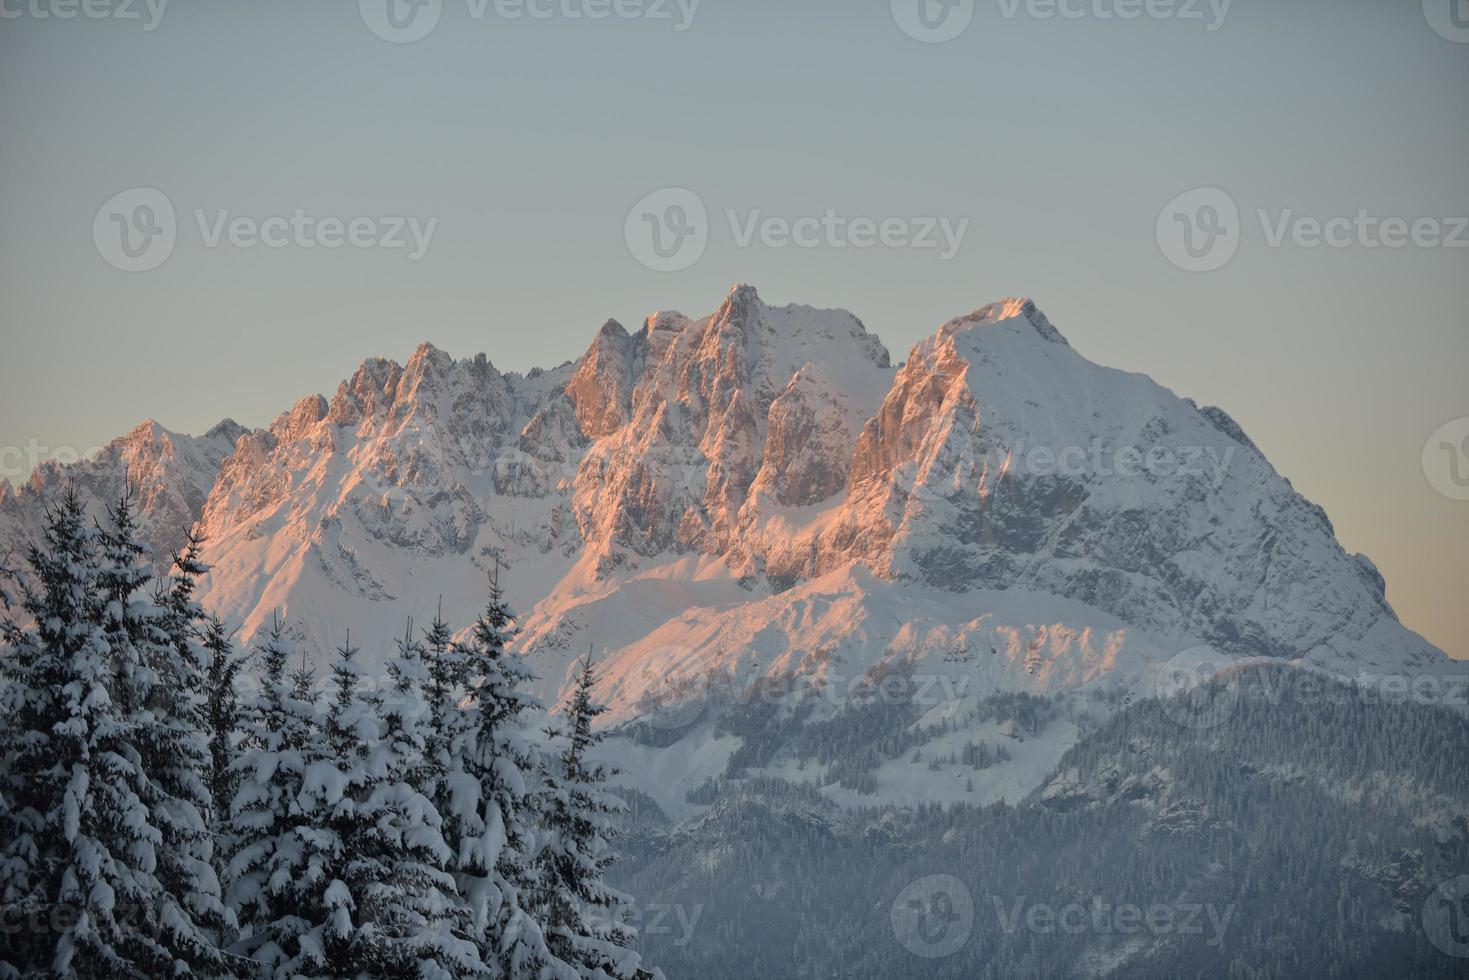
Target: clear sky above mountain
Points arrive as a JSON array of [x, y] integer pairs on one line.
[[528, 141]]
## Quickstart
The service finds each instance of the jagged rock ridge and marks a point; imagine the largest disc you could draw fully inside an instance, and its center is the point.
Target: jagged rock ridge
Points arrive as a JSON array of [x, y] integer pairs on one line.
[[760, 492]]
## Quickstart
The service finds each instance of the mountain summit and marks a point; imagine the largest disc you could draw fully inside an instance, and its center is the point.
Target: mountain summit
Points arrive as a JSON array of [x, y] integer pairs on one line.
[[760, 494]]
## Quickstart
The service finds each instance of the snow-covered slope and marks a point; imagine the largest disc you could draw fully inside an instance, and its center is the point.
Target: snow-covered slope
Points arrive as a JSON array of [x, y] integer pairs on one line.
[[722, 504], [170, 476]]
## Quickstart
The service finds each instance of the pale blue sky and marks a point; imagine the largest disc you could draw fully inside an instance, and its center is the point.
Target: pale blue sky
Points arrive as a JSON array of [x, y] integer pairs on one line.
[[1061, 140]]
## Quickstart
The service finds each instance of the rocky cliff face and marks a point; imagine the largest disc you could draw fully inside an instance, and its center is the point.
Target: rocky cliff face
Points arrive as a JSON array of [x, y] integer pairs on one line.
[[168, 475], [752, 398], [760, 491], [1003, 459]]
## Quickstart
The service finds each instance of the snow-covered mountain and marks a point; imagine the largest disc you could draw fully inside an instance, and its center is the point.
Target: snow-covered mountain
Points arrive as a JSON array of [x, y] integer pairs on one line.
[[758, 498], [170, 476]]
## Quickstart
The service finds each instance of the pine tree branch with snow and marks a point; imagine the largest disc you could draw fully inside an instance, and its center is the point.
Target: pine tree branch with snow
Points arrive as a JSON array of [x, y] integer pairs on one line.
[[584, 920], [105, 805]]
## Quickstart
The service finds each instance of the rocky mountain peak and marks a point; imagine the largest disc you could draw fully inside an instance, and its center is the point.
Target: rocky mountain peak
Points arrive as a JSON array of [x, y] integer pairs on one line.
[[1014, 309], [369, 392], [760, 490], [307, 412], [226, 430], [600, 389]]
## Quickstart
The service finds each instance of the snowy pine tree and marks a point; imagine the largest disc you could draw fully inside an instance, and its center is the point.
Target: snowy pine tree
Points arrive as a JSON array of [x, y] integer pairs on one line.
[[489, 824], [444, 690], [173, 735], [8, 578], [90, 807], [343, 873], [410, 833], [267, 825], [306, 916], [582, 914], [424, 923], [357, 886], [222, 711]]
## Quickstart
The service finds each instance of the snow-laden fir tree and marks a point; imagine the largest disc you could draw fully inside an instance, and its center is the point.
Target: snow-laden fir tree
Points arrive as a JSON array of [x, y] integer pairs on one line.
[[363, 870], [90, 806], [269, 830], [423, 921], [583, 916], [320, 876], [173, 734], [489, 824], [444, 691], [222, 710]]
